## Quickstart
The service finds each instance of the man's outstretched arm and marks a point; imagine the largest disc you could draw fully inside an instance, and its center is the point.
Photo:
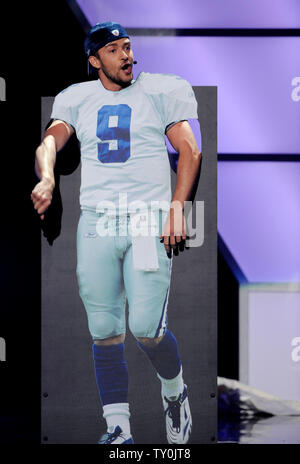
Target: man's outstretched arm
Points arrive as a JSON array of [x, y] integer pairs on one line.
[[188, 172], [55, 137]]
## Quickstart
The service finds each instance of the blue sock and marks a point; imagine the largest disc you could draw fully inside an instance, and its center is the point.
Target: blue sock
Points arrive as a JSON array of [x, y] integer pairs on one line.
[[164, 356], [111, 373]]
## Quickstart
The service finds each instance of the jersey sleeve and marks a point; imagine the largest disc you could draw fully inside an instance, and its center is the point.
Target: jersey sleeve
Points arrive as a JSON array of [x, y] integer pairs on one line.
[[178, 101], [63, 108]]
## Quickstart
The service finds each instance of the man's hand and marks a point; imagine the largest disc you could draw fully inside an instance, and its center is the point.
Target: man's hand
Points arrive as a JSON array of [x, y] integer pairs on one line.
[[55, 138], [41, 196], [174, 231]]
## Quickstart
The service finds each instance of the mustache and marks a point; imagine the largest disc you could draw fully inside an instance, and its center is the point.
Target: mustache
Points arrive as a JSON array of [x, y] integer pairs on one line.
[[127, 64]]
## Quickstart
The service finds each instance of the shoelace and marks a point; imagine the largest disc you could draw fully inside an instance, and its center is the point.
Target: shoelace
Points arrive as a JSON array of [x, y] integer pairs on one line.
[[173, 411], [112, 436]]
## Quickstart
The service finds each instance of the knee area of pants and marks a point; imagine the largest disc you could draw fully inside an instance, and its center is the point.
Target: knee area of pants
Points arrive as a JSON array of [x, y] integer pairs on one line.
[[140, 329], [103, 326]]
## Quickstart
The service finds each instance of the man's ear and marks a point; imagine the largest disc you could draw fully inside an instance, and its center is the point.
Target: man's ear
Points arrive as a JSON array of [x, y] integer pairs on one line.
[[94, 62]]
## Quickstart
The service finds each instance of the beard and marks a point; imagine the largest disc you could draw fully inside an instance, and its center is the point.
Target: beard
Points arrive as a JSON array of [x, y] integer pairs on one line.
[[115, 79]]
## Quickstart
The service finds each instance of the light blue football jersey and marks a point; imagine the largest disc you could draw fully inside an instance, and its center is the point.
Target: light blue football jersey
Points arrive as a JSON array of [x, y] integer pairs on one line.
[[121, 135]]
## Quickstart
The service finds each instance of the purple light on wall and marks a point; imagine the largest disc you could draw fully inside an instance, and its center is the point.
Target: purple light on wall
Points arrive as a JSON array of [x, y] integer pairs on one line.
[[259, 218], [256, 113], [195, 13]]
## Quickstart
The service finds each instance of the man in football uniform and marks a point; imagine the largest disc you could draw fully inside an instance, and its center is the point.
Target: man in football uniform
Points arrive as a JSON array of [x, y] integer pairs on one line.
[[120, 124]]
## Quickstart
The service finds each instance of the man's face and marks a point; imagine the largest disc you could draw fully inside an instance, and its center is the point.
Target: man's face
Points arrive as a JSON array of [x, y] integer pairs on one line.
[[114, 61]]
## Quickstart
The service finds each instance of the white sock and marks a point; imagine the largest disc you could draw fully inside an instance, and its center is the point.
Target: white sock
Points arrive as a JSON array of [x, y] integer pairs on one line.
[[171, 388], [117, 414]]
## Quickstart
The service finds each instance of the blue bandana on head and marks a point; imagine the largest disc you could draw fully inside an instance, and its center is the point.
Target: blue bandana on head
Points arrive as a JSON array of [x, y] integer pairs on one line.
[[101, 34]]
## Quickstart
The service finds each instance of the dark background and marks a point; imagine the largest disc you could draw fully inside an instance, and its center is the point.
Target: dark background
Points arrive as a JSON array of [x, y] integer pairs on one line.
[[42, 53]]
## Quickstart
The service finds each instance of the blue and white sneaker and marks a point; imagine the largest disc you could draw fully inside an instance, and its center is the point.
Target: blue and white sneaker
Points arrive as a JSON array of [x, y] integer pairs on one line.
[[178, 418], [116, 437]]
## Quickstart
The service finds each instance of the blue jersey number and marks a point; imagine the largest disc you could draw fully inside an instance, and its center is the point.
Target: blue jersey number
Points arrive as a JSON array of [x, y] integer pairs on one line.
[[113, 129]]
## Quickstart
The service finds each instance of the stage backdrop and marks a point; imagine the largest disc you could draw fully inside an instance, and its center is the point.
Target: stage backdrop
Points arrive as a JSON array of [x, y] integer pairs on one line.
[[71, 411]]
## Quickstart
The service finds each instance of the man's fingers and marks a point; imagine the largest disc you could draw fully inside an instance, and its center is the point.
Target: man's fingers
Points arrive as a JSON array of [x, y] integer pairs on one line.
[[167, 247], [172, 241], [181, 245], [40, 193], [165, 241], [37, 205], [43, 207], [41, 197], [40, 204], [36, 196]]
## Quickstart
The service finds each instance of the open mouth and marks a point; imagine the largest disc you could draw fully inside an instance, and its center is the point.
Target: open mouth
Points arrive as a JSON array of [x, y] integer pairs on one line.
[[127, 67]]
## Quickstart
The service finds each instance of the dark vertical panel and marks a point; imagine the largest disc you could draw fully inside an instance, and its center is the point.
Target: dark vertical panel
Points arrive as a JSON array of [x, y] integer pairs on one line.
[[70, 408]]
